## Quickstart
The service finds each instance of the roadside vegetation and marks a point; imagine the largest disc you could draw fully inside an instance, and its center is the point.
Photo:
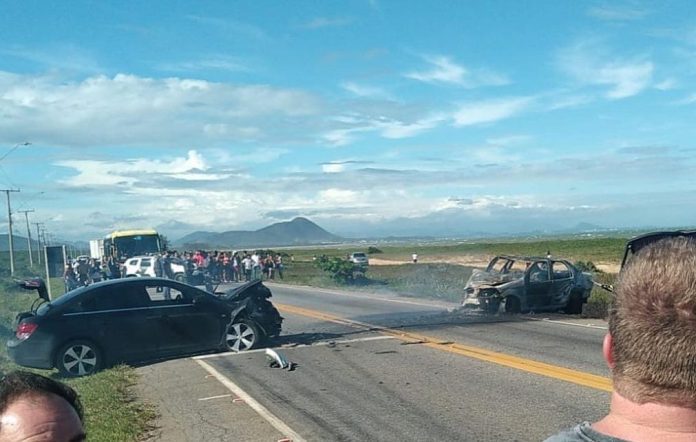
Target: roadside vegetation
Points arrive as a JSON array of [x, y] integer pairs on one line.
[[440, 280], [112, 412]]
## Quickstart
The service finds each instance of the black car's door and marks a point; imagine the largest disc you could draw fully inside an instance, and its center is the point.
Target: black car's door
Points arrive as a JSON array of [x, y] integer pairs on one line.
[[185, 326], [538, 284], [118, 319]]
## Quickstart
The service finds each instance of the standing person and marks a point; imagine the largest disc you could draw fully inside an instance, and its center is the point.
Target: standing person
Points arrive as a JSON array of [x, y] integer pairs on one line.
[[269, 265], [226, 267], [414, 257], [279, 265], [34, 407], [114, 270], [69, 278], [95, 273], [256, 265], [650, 347], [248, 266], [83, 272], [235, 268]]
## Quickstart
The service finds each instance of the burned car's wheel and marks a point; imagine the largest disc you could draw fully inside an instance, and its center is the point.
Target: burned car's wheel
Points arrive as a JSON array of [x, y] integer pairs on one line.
[[242, 335], [512, 305], [78, 358], [574, 306]]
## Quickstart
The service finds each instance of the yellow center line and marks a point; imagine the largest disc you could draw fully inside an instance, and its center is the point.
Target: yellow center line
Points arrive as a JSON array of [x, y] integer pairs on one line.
[[523, 364]]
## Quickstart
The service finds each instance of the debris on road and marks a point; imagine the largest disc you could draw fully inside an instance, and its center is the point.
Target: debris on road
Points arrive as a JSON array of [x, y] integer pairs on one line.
[[278, 360]]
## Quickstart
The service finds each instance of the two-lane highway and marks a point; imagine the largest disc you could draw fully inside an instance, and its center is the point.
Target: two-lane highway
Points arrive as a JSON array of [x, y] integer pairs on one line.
[[381, 367]]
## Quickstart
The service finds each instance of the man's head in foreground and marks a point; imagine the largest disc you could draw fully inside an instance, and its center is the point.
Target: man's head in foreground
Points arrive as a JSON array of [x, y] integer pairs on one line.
[[36, 408], [651, 346]]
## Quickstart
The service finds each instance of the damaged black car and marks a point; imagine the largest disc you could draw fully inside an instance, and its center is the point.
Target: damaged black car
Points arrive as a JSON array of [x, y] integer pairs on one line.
[[516, 284], [138, 320]]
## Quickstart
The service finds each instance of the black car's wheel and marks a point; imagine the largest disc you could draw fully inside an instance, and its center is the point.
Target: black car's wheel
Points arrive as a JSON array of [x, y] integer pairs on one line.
[[78, 358], [242, 335], [179, 277]]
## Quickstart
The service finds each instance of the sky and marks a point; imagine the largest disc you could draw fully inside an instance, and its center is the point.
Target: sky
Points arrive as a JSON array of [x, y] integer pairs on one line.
[[371, 118]]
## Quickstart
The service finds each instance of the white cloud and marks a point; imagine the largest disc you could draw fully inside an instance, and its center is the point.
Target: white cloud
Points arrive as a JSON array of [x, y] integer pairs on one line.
[[614, 12], [444, 70], [588, 62], [489, 111], [666, 84], [332, 167], [212, 62], [127, 109], [328, 22], [363, 90], [126, 173]]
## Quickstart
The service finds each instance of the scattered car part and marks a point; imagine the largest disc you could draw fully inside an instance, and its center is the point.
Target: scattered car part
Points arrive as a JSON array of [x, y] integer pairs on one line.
[[277, 359]]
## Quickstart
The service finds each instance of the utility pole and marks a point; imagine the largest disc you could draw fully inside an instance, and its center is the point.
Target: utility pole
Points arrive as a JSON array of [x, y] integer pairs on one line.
[[26, 216], [38, 239], [9, 228]]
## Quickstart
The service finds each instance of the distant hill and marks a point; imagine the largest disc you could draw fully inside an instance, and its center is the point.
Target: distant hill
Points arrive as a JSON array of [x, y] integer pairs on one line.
[[299, 231], [20, 243]]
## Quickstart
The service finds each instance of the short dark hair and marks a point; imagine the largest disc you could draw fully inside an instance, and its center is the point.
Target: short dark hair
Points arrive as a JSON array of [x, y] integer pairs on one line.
[[653, 325], [17, 384]]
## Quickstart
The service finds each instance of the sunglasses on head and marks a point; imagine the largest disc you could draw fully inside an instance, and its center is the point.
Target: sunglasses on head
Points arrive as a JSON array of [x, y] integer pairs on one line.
[[634, 245]]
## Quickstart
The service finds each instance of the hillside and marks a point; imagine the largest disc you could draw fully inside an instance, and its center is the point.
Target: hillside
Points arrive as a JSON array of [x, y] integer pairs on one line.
[[20, 243], [299, 231]]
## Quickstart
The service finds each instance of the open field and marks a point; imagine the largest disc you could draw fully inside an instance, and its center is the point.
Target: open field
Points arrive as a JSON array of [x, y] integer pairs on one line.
[[606, 253], [443, 269]]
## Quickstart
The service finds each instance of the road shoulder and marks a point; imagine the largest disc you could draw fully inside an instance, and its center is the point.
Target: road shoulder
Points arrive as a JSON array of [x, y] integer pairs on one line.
[[193, 405]]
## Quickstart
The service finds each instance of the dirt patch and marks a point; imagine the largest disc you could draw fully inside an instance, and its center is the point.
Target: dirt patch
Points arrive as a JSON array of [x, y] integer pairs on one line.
[[478, 261], [462, 260]]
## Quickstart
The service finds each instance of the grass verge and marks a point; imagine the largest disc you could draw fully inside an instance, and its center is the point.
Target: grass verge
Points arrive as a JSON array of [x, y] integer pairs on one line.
[[112, 411]]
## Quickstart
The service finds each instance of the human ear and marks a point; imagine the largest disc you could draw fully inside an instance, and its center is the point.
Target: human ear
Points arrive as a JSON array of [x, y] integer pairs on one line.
[[607, 350]]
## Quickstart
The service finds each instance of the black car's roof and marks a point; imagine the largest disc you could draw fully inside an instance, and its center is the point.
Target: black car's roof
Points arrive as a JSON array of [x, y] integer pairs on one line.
[[115, 282]]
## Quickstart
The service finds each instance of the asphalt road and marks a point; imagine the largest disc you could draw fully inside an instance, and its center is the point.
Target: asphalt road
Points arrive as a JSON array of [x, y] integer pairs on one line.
[[381, 367]]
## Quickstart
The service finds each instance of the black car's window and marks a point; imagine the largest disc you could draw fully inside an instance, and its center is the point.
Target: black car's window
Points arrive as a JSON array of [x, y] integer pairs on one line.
[[164, 294], [561, 270], [109, 298]]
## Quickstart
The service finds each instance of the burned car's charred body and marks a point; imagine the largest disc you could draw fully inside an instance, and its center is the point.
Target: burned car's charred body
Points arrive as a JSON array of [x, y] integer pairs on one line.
[[522, 284]]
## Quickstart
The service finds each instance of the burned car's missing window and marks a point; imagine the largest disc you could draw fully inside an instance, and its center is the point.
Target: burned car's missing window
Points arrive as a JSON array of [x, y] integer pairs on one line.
[[516, 284]]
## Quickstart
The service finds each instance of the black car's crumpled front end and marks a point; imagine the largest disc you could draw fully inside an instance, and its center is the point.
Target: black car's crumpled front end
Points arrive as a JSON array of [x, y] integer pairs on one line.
[[252, 299]]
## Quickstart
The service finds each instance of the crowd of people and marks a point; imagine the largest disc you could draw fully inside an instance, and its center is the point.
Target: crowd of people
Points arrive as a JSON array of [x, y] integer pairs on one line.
[[219, 266]]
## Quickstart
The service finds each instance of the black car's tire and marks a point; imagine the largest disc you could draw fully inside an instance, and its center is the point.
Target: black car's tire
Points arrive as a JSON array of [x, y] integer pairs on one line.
[[242, 335], [179, 277], [79, 358], [574, 306]]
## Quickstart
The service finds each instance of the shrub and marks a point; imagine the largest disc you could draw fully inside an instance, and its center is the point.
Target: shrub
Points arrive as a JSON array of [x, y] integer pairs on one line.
[[587, 266], [373, 250], [339, 269]]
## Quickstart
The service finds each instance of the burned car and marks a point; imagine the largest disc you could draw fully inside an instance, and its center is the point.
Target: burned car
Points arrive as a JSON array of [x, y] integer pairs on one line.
[[523, 284], [139, 320]]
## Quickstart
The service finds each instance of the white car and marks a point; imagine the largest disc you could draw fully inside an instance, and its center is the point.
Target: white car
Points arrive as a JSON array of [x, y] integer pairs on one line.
[[359, 258], [145, 266]]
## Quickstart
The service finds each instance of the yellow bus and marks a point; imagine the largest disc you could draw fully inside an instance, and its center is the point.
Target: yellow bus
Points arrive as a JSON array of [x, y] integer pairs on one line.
[[122, 244]]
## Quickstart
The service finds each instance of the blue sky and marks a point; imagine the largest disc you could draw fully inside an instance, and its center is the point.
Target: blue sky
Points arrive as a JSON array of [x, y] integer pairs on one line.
[[369, 117]]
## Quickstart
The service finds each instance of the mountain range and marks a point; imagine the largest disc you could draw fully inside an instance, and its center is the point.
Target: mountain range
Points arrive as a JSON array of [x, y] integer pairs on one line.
[[299, 231]]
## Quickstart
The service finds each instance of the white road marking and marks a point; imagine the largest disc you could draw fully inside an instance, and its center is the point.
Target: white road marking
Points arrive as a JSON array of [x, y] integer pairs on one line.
[[272, 419], [554, 321], [214, 397], [315, 344]]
